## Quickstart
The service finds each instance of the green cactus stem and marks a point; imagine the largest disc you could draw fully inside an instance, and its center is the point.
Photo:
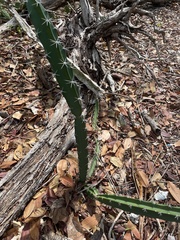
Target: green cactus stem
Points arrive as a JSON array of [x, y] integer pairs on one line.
[[63, 72], [139, 207]]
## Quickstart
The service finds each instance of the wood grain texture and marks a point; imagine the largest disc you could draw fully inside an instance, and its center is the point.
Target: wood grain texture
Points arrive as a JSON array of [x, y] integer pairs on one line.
[[28, 175]]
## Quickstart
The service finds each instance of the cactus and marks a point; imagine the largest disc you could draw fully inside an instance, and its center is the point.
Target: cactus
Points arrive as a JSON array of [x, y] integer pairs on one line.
[[56, 55], [139, 207], [65, 77]]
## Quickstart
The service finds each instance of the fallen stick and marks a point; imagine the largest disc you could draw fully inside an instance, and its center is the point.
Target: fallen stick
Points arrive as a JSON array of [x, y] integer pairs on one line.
[[152, 123], [22, 182], [6, 26]]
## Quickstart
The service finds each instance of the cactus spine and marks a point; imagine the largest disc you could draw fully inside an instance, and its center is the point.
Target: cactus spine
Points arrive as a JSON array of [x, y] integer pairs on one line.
[[56, 55]]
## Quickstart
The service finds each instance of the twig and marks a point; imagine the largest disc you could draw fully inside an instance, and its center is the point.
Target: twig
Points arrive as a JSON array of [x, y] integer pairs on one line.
[[111, 82], [151, 235], [152, 40], [86, 80], [136, 126], [151, 72], [140, 116], [167, 149], [130, 48], [166, 169], [114, 222], [152, 123], [141, 226], [133, 168], [48, 181], [97, 11], [87, 12], [159, 226]]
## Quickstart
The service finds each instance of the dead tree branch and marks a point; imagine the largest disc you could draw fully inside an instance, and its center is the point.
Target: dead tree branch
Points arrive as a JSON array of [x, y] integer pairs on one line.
[[22, 182]]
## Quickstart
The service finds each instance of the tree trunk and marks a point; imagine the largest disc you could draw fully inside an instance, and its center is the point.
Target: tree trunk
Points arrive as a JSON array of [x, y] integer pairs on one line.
[[28, 175]]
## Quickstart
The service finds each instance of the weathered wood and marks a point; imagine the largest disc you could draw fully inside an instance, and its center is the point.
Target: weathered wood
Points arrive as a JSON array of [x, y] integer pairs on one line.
[[22, 182], [53, 5], [6, 26]]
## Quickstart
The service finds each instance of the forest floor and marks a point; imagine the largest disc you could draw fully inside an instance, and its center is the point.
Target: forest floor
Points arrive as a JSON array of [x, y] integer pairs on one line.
[[135, 158]]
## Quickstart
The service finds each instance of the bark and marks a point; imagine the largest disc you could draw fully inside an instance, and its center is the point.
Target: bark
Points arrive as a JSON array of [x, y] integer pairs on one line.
[[80, 34], [82, 30], [53, 5], [110, 4], [28, 175]]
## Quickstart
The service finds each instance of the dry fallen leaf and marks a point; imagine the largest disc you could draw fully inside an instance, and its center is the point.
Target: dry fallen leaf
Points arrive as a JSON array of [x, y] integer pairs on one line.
[[58, 214], [112, 122], [150, 167], [120, 153], [108, 189], [104, 136], [174, 191], [131, 134], [31, 230], [40, 193], [21, 101], [62, 167], [116, 161], [67, 181], [142, 178], [116, 145], [147, 129], [104, 149], [34, 93], [127, 236], [17, 115], [73, 165], [127, 143], [34, 229], [12, 231], [177, 144], [28, 72], [133, 228], [140, 132], [89, 127], [32, 141], [2, 69], [38, 212], [34, 209], [7, 164], [91, 222], [123, 111], [146, 88], [74, 228], [128, 104], [29, 209], [152, 86], [6, 144], [34, 110], [156, 180], [18, 153]]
